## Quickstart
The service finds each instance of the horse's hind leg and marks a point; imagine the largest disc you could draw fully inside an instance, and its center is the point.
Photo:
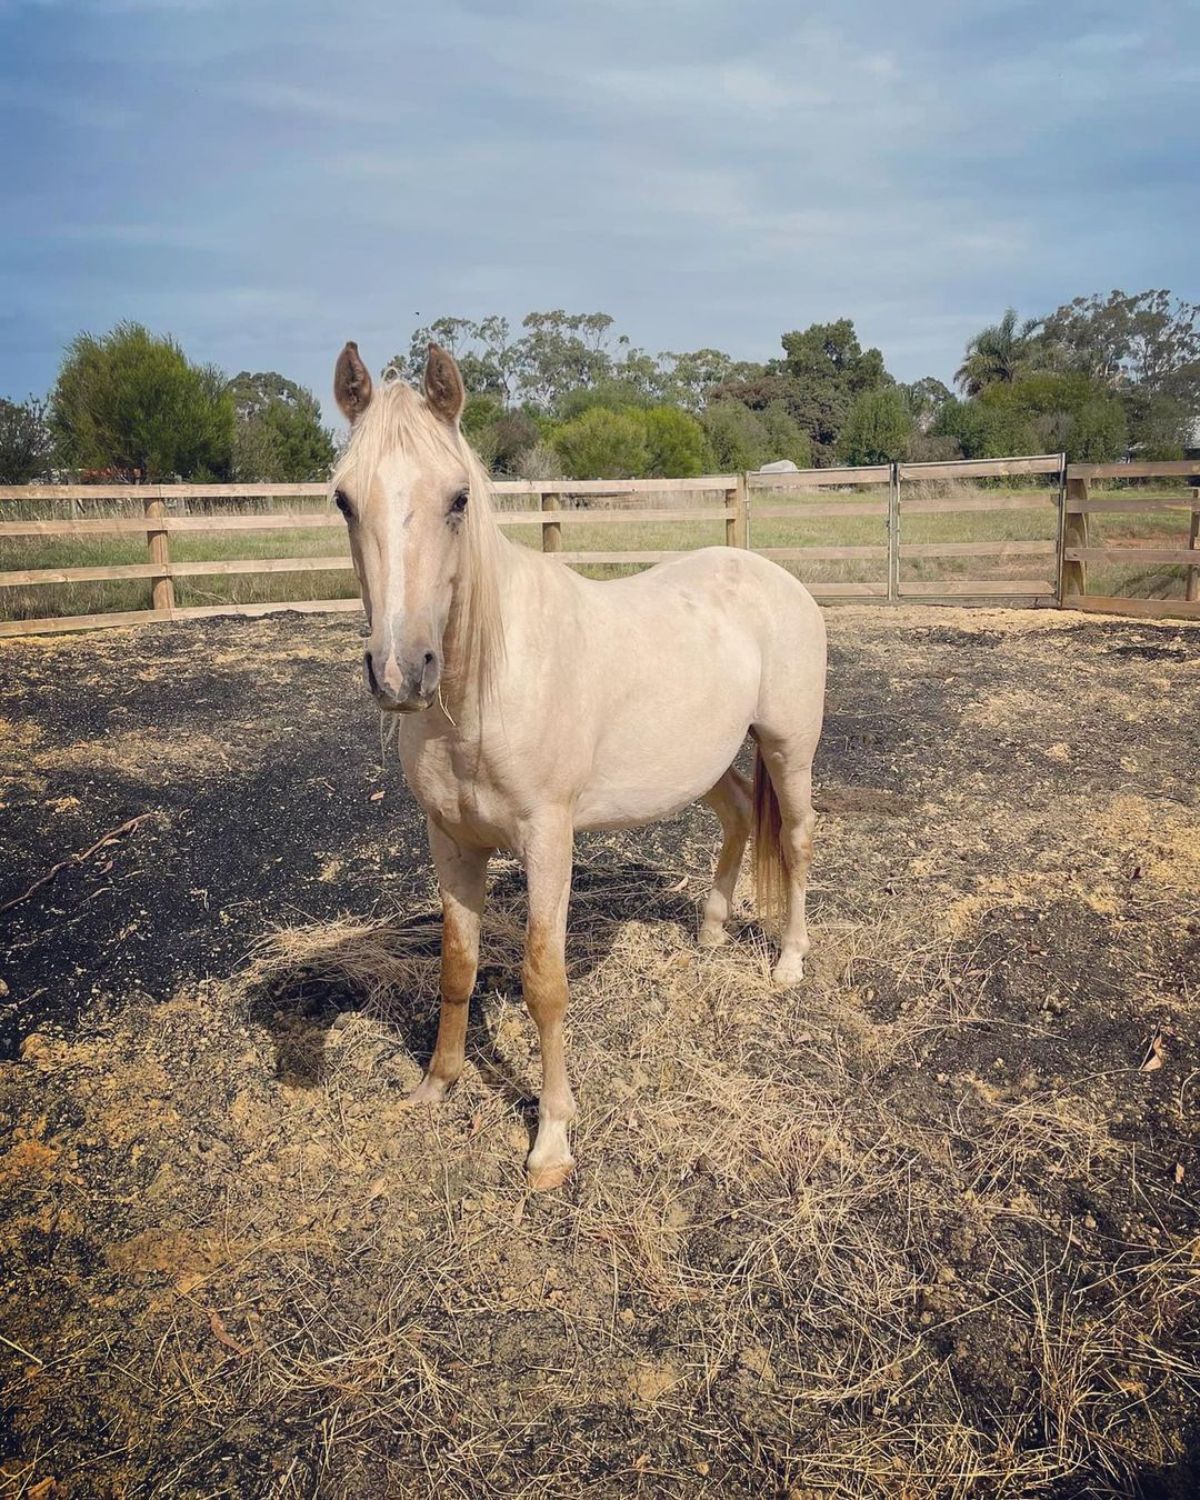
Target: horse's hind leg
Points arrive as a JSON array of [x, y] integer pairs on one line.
[[789, 766], [730, 800]]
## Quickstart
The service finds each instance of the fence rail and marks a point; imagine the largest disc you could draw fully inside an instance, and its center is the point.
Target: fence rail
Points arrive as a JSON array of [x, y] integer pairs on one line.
[[853, 519], [1079, 548]]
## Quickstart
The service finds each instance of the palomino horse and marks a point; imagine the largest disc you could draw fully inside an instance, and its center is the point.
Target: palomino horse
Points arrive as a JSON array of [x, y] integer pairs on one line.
[[533, 702]]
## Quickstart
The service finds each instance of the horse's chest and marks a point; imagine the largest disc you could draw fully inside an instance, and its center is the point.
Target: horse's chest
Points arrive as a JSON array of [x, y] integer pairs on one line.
[[453, 794]]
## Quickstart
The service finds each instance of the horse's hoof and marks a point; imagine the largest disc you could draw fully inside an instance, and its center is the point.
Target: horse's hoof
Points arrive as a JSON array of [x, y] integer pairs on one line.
[[787, 973], [546, 1179], [429, 1091], [713, 937]]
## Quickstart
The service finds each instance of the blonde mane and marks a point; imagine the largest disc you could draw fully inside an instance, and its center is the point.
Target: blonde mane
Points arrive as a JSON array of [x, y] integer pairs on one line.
[[398, 419]]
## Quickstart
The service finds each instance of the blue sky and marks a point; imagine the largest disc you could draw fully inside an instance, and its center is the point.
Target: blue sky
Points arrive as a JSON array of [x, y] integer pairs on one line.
[[265, 180]]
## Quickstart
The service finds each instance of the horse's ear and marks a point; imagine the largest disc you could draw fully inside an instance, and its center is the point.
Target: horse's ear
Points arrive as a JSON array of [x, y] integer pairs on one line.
[[444, 389], [351, 384]]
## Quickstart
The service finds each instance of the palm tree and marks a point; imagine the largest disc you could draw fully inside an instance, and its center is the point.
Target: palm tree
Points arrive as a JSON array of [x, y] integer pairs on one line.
[[997, 353]]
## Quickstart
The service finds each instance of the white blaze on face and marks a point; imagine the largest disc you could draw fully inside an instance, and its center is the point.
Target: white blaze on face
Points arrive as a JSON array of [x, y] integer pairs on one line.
[[409, 549]]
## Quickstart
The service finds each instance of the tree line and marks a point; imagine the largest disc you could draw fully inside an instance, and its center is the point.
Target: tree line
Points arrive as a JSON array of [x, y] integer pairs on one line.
[[567, 395], [129, 406]]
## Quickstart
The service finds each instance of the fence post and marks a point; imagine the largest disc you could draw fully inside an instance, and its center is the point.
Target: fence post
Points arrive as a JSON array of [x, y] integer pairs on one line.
[[551, 530], [1192, 592], [1075, 533], [737, 524], [163, 588], [893, 527]]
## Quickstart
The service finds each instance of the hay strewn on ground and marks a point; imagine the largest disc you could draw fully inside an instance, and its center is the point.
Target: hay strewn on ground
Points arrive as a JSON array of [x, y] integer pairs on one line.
[[920, 1228]]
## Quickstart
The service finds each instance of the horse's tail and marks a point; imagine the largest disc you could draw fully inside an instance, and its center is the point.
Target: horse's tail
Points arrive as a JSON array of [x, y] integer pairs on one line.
[[770, 865]]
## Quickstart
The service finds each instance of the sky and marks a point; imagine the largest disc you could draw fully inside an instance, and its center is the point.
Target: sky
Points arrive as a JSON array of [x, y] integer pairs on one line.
[[264, 179]]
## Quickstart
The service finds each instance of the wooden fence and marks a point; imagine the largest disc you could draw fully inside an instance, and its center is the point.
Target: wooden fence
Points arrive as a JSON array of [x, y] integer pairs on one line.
[[885, 500], [1079, 549]]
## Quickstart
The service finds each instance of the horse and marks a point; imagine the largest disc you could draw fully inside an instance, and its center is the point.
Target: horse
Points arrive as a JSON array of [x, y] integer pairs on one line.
[[531, 703]]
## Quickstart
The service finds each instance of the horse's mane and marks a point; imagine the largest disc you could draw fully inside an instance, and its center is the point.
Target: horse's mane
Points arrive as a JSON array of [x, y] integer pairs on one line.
[[398, 419]]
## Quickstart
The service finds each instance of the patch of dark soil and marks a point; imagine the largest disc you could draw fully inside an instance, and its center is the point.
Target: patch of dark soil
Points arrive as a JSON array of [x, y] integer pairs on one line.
[[1131, 639], [283, 826], [1152, 651], [983, 640]]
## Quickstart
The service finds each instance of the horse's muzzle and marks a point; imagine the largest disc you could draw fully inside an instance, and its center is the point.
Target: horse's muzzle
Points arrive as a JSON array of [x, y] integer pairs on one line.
[[403, 689]]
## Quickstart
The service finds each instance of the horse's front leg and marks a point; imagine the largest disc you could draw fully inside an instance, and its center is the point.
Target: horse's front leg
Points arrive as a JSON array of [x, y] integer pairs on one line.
[[548, 854], [462, 879]]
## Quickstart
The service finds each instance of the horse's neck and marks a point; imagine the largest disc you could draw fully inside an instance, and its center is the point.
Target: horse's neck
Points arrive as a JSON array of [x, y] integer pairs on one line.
[[507, 563]]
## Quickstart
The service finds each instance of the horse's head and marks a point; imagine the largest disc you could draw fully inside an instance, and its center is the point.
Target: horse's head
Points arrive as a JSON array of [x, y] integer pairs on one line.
[[404, 486]]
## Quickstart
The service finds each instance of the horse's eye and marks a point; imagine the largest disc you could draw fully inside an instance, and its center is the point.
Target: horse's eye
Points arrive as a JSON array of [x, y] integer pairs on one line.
[[459, 503], [342, 503]]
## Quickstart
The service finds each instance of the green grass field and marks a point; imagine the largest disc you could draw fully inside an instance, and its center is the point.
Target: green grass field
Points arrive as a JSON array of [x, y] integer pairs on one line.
[[1167, 529]]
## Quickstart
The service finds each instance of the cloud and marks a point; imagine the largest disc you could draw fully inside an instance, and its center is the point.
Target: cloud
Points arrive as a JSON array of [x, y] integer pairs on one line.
[[710, 171]]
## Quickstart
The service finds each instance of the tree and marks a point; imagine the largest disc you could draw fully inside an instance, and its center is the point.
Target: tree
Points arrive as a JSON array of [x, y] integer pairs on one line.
[[613, 392], [26, 443], [603, 444], [132, 403], [675, 443], [512, 436], [687, 379], [558, 353], [878, 428], [823, 370], [487, 356], [562, 352], [1057, 412], [925, 398], [740, 438], [1127, 340], [1160, 425], [735, 436], [1144, 348], [997, 354], [277, 432], [784, 437], [831, 352], [982, 431]]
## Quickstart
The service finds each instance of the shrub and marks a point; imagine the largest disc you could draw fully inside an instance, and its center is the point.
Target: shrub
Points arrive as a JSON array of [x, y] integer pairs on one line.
[[1055, 412], [277, 431], [603, 444], [133, 403], [878, 428], [675, 442], [25, 441]]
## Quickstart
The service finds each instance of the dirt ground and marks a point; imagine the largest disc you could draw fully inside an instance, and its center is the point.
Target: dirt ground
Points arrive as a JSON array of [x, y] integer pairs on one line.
[[926, 1226]]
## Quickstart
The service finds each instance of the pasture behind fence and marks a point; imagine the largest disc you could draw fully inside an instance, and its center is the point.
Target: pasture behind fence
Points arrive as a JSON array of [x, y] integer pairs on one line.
[[1027, 531]]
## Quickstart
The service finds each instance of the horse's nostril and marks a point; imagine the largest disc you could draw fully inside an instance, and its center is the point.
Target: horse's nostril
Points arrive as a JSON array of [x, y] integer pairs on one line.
[[430, 658]]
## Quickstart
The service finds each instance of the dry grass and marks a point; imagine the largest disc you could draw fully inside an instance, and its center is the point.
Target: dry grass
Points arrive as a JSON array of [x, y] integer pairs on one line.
[[777, 1272], [918, 1229]]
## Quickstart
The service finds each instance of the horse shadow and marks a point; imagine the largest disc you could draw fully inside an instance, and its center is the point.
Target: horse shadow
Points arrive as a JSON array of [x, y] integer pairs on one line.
[[309, 981]]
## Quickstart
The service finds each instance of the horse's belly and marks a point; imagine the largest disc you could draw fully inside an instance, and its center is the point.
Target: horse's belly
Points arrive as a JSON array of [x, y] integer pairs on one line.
[[664, 775]]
